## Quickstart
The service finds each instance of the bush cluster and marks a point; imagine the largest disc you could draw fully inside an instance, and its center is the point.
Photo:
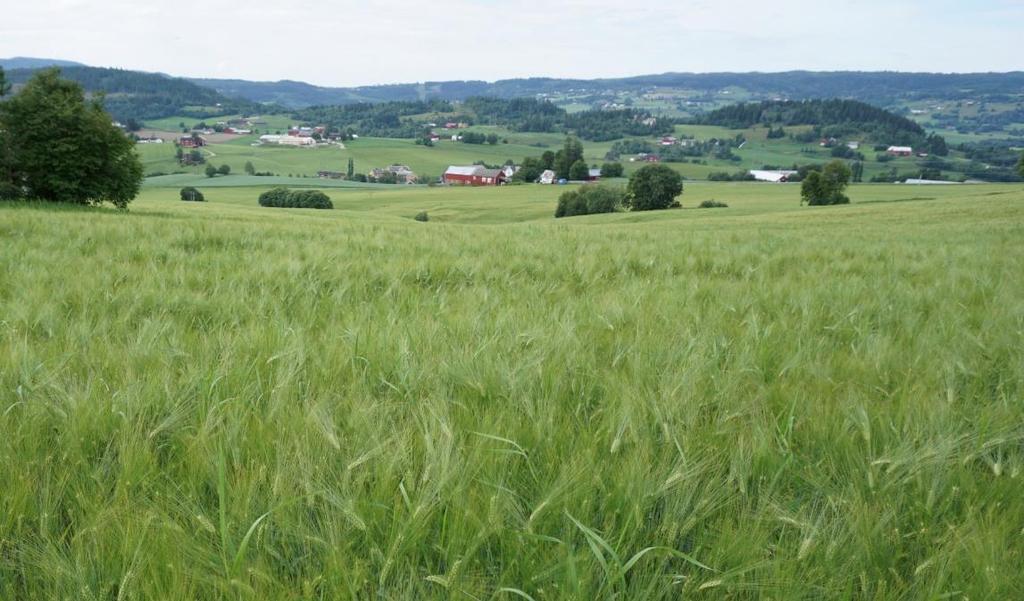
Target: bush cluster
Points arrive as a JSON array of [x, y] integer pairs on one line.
[[590, 200], [188, 193], [422, 216], [712, 204], [295, 199]]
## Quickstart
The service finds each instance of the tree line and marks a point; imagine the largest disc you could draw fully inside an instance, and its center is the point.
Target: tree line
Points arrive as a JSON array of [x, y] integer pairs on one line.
[[405, 119]]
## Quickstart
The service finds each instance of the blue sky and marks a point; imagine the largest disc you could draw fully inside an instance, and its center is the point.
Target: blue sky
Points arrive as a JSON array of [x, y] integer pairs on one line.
[[354, 43]]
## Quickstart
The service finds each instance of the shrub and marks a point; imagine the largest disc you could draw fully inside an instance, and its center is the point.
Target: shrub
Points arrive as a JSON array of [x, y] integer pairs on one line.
[[422, 216], [611, 170], [590, 200], [191, 194], [712, 204], [297, 199], [654, 187]]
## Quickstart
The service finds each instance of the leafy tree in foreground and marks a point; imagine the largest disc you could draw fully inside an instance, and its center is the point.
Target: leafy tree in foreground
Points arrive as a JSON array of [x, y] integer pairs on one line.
[[653, 187], [211, 171], [826, 187], [249, 168], [63, 148], [225, 169], [4, 86]]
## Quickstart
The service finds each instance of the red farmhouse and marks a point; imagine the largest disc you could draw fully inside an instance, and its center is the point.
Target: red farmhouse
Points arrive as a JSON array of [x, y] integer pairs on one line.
[[474, 175], [191, 141]]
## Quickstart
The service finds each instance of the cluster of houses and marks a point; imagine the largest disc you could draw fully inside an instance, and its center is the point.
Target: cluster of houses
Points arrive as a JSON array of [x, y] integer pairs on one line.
[[645, 157], [479, 175], [672, 141], [403, 174], [192, 141]]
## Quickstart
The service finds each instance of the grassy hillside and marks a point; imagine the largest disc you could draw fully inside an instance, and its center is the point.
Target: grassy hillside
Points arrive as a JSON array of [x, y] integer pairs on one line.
[[219, 401]]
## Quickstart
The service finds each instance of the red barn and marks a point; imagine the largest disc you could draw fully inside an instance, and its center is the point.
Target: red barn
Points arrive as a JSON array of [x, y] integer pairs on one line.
[[191, 141], [474, 175]]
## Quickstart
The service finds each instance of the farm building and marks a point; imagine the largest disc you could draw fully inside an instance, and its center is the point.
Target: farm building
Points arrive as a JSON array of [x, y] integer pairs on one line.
[[509, 171], [287, 140], [403, 174], [900, 151], [191, 141], [593, 175], [474, 175], [777, 177], [548, 177], [929, 182]]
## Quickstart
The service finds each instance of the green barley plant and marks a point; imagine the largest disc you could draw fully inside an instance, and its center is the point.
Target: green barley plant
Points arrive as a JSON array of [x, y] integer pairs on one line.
[[765, 402]]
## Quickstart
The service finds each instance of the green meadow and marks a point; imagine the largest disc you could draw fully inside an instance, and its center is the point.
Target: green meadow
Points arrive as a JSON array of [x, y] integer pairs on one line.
[[370, 153], [766, 401]]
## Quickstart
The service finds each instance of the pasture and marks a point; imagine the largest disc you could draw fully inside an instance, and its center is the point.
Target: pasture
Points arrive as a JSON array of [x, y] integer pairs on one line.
[[222, 401]]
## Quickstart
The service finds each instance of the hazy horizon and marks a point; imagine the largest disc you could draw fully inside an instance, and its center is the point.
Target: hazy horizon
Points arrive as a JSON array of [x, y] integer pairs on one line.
[[357, 44]]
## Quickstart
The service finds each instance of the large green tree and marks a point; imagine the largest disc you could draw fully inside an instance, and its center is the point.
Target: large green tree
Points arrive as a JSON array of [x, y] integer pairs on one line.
[[64, 148], [8, 189], [653, 187], [1020, 165], [826, 187], [579, 171], [571, 152]]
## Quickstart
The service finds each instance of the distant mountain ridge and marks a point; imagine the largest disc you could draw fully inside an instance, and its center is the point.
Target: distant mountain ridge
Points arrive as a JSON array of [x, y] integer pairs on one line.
[[881, 88], [26, 62]]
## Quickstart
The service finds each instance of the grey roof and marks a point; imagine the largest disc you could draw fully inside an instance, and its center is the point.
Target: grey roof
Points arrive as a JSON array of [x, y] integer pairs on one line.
[[458, 170]]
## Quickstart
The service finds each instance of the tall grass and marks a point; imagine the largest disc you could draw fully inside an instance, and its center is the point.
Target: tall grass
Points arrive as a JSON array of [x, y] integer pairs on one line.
[[231, 404]]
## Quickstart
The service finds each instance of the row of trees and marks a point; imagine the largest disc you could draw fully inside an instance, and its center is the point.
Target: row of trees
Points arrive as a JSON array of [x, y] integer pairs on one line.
[[295, 199], [57, 146], [650, 188]]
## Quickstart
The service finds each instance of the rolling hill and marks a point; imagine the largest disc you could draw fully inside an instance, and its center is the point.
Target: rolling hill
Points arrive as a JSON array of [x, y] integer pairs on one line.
[[882, 88], [25, 62], [136, 95]]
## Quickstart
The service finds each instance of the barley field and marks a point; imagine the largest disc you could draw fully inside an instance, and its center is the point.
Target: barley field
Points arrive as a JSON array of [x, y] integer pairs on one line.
[[223, 401]]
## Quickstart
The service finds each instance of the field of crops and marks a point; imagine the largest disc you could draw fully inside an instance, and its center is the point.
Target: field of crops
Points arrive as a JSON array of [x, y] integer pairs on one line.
[[766, 401]]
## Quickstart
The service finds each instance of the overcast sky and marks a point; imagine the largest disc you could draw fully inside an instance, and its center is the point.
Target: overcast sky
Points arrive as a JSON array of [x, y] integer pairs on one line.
[[346, 42]]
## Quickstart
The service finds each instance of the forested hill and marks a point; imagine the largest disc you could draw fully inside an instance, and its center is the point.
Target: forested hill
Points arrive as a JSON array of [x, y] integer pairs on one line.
[[832, 118], [412, 118], [25, 62], [880, 88], [133, 95]]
